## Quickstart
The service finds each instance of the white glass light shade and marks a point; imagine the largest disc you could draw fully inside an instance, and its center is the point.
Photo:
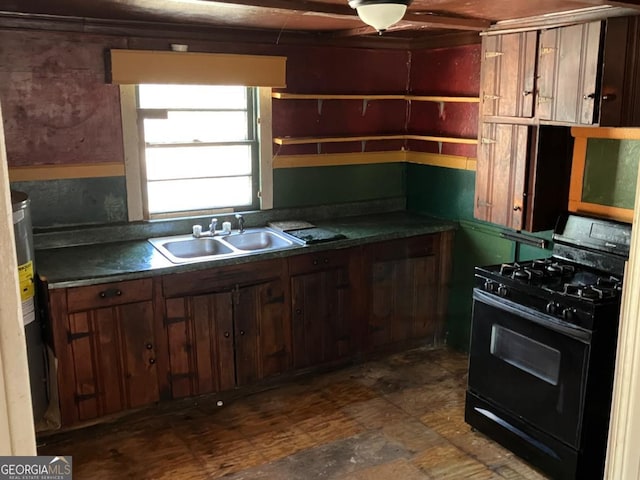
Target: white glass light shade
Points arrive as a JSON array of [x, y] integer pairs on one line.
[[381, 15]]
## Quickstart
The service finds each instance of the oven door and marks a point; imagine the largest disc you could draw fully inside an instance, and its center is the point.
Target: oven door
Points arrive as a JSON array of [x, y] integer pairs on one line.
[[529, 364]]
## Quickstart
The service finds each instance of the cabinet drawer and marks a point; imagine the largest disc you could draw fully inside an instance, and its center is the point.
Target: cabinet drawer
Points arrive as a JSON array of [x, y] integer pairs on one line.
[[313, 262], [404, 248], [108, 294], [220, 279]]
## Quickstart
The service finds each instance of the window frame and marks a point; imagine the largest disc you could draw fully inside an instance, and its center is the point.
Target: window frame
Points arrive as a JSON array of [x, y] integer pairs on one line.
[[135, 171]]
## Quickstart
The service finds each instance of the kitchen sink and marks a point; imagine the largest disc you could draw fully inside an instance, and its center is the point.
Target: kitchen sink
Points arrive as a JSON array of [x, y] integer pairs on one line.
[[187, 248], [258, 240]]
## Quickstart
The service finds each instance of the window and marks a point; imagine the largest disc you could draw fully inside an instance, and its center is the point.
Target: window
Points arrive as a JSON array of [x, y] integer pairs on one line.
[[199, 148]]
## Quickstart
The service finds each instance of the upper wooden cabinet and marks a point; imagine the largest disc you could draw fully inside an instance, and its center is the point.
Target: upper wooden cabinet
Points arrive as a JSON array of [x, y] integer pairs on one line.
[[508, 74], [568, 67], [584, 74]]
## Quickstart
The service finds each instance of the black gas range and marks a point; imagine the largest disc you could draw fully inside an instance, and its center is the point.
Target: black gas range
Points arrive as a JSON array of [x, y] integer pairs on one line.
[[543, 343]]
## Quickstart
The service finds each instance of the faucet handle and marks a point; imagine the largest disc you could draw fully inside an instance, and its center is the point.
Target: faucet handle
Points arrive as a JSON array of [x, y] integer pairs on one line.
[[197, 231], [213, 225], [240, 219]]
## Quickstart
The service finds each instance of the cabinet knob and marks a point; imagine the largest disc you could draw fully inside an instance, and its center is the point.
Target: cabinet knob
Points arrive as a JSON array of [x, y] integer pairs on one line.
[[526, 93], [609, 97], [517, 208], [149, 346], [326, 260], [226, 334], [315, 261], [298, 311], [591, 96], [152, 361], [241, 332]]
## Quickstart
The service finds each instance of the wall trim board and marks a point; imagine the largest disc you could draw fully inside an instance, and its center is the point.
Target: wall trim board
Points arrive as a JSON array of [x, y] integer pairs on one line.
[[440, 160], [61, 172], [153, 66], [606, 132], [364, 158], [335, 159]]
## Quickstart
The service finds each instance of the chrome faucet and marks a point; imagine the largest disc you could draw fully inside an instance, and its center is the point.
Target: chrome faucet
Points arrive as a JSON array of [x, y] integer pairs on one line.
[[240, 223], [197, 229]]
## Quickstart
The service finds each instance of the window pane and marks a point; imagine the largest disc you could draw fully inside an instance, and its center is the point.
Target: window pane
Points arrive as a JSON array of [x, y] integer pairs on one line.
[[198, 194], [192, 162], [200, 97], [193, 127]]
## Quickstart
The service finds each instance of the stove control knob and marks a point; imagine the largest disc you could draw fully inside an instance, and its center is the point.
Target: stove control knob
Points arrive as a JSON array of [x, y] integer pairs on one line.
[[568, 314], [552, 308], [503, 291], [489, 286]]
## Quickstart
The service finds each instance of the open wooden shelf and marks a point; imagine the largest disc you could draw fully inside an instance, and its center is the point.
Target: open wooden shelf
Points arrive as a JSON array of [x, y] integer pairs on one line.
[[417, 98], [364, 138]]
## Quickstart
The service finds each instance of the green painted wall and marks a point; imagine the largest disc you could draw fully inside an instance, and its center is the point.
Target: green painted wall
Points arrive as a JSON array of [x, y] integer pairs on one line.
[[299, 187], [448, 193]]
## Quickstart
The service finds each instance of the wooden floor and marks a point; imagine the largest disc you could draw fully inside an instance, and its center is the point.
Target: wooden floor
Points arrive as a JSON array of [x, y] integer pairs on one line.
[[398, 418]]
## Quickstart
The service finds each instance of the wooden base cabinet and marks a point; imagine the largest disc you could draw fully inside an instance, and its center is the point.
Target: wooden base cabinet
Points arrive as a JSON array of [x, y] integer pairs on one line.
[[124, 345], [323, 320], [106, 348], [226, 327], [407, 290]]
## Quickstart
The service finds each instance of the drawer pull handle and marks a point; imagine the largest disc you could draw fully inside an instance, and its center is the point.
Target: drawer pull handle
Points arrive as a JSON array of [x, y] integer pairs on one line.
[[111, 292], [149, 346]]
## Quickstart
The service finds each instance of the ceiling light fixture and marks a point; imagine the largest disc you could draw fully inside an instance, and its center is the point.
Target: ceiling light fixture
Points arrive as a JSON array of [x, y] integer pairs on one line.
[[380, 14]]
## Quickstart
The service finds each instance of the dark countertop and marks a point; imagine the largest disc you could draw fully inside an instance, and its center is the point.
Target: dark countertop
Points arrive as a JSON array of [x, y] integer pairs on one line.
[[125, 260]]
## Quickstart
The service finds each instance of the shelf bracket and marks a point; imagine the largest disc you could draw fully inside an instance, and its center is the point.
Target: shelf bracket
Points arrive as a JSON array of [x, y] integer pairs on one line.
[[441, 109], [440, 148], [319, 148], [363, 145], [320, 107], [365, 103]]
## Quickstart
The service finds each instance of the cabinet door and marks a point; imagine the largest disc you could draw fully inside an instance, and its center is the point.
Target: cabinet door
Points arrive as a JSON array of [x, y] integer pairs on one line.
[[403, 296], [568, 69], [508, 74], [113, 353], [321, 316], [262, 332], [500, 174], [200, 338]]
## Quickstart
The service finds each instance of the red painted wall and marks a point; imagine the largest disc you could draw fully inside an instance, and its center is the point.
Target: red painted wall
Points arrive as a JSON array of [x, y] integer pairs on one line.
[[58, 110], [448, 72]]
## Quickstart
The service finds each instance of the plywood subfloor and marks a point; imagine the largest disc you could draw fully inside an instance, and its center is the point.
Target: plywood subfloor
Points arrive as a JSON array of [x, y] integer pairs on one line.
[[400, 417]]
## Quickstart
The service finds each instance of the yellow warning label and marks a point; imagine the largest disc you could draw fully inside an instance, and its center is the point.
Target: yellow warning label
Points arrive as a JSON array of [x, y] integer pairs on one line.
[[25, 275]]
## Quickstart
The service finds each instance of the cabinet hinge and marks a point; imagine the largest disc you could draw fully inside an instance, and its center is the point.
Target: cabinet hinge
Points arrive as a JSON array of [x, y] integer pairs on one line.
[[482, 203], [178, 376], [547, 50], [544, 99], [75, 336], [85, 396], [491, 97], [488, 141], [235, 295], [493, 54], [170, 320]]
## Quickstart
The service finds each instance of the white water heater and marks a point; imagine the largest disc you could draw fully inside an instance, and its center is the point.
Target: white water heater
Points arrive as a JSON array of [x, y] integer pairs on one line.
[[32, 323]]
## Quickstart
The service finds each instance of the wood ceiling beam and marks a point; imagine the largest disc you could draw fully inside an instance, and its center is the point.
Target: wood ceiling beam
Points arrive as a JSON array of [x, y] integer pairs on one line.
[[423, 22], [303, 6]]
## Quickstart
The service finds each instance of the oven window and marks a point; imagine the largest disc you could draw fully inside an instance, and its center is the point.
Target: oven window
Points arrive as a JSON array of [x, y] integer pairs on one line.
[[528, 355]]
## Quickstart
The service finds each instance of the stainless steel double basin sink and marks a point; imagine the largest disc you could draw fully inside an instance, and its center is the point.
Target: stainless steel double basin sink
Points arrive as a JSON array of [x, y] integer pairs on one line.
[[187, 248]]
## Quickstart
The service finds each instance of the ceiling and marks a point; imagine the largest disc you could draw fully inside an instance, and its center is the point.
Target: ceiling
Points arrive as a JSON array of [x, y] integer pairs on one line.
[[322, 19]]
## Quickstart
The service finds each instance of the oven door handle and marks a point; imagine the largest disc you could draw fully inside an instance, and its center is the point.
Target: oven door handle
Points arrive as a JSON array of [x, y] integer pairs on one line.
[[534, 316]]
